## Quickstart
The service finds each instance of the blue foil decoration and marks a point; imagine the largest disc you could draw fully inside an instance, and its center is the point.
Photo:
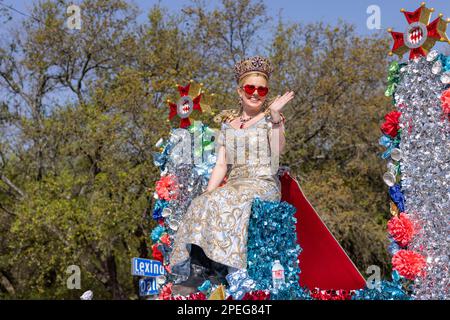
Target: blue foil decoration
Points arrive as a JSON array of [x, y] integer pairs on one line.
[[205, 168], [204, 151], [390, 144], [291, 292], [396, 276], [160, 159], [205, 286], [272, 236], [165, 250], [385, 291], [240, 283], [157, 233], [388, 291], [445, 62], [160, 204], [393, 246], [397, 197]]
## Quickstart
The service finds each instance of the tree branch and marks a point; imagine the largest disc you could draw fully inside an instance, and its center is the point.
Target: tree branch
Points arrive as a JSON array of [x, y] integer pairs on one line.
[[12, 185]]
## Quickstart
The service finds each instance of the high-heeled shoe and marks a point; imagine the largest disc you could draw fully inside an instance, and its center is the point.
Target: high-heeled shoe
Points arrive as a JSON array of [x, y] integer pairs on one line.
[[196, 278], [217, 274]]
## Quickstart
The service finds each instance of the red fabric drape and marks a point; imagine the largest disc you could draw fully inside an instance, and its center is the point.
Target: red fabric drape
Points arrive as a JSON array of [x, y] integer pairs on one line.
[[323, 262]]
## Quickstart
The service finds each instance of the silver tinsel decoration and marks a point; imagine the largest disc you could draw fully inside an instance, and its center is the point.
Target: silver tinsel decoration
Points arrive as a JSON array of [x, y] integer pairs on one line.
[[425, 169], [178, 160]]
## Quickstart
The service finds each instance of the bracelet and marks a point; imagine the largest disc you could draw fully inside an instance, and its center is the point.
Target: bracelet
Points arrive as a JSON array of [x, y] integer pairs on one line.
[[276, 123], [282, 119]]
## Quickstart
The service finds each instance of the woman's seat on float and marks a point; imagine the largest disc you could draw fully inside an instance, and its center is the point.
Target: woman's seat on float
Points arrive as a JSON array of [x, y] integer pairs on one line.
[[323, 262]]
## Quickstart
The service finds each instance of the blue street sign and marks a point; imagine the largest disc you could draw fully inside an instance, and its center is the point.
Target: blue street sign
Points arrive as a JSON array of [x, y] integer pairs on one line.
[[146, 268], [147, 287]]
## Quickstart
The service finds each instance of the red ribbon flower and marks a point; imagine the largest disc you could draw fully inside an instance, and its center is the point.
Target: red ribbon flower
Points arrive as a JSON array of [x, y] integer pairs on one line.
[[157, 255], [409, 264], [167, 268], [257, 295], [332, 294], [165, 239], [166, 188], [197, 296], [192, 296], [401, 229], [445, 99], [391, 124], [166, 292]]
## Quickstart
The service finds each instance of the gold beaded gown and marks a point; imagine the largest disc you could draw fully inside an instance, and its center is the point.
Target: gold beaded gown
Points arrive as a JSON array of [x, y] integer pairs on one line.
[[217, 221]]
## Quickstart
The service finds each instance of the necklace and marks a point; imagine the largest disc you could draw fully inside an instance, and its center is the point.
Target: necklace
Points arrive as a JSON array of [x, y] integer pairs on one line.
[[244, 121]]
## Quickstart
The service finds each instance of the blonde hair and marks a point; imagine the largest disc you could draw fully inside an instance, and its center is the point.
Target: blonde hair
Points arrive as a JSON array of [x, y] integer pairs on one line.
[[253, 73]]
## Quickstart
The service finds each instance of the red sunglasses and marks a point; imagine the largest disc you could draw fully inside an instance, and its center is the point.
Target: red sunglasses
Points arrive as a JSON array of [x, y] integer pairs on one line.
[[250, 89]]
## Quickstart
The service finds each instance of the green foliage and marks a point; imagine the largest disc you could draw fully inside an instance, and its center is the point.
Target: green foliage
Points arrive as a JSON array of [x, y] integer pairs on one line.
[[82, 110]]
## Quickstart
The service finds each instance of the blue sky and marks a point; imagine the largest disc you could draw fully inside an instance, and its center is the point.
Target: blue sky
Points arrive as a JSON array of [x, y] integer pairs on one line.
[[353, 11], [330, 11]]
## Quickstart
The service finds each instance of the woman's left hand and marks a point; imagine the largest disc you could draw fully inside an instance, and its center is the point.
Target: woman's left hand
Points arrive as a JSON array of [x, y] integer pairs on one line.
[[280, 102]]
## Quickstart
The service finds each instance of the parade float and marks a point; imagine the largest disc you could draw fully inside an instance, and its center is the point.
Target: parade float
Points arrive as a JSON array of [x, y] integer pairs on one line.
[[416, 140]]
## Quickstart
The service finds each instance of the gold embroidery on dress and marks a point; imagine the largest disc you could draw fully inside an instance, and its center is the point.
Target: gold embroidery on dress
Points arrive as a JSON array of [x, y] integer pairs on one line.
[[217, 220]]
